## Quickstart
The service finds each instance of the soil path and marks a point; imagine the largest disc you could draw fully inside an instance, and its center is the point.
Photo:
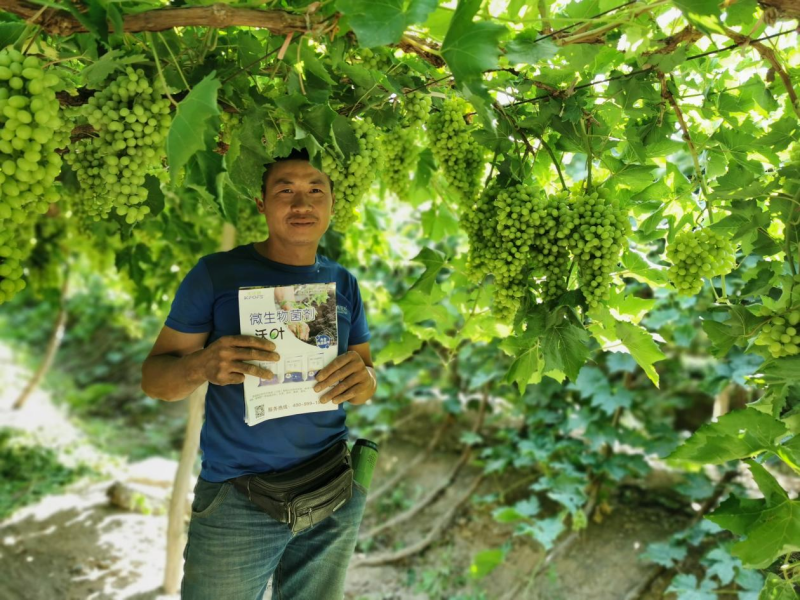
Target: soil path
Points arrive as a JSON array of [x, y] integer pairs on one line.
[[76, 546]]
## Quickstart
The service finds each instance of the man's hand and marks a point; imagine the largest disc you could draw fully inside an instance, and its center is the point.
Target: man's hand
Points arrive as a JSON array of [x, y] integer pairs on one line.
[[223, 360], [350, 378]]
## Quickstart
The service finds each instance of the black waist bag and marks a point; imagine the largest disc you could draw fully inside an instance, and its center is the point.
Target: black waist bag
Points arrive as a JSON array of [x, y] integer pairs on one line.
[[305, 494]]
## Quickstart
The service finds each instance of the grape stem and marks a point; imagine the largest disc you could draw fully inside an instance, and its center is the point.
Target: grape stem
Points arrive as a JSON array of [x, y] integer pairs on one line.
[[588, 155], [175, 61], [158, 66]]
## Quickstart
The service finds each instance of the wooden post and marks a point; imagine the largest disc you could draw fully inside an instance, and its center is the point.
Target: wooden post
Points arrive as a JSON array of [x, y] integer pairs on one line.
[[176, 535], [52, 347]]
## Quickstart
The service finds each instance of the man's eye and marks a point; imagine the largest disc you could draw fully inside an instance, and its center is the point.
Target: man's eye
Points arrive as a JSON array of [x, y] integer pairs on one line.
[[286, 190], [316, 190]]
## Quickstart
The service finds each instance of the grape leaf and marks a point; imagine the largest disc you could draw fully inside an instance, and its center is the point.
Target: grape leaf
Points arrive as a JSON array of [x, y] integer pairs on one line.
[[642, 269], [528, 365], [525, 49], [735, 331], [194, 118], [720, 564], [593, 384], [641, 346], [471, 47], [383, 22], [665, 554], [771, 525], [433, 261], [438, 222], [790, 452], [777, 588], [738, 434], [486, 561], [398, 350], [99, 70], [9, 32], [686, 587], [418, 306], [565, 349], [545, 531]]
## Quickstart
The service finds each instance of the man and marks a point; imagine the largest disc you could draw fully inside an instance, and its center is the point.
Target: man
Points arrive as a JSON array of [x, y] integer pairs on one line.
[[234, 547]]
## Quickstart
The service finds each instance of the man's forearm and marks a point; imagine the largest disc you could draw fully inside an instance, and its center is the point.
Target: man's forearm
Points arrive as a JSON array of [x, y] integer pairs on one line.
[[170, 378]]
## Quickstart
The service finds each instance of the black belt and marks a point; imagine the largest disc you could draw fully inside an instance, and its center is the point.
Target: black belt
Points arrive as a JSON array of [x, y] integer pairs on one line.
[[306, 493]]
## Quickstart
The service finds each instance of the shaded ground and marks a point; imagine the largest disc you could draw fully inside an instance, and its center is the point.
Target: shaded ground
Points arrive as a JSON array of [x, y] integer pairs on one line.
[[75, 546]]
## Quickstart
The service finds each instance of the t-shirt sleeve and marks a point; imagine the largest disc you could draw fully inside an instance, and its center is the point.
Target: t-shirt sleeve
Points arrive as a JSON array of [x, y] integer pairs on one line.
[[192, 308], [359, 330]]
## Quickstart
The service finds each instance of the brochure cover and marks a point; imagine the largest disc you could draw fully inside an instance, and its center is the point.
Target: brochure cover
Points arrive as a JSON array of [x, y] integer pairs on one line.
[[301, 321]]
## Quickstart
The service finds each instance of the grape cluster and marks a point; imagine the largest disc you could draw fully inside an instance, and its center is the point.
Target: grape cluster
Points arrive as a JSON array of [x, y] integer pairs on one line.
[[698, 254], [131, 118], [596, 241], [417, 109], [30, 132], [353, 179], [552, 222], [400, 148], [781, 334], [529, 240], [230, 123], [456, 151], [252, 225], [379, 59]]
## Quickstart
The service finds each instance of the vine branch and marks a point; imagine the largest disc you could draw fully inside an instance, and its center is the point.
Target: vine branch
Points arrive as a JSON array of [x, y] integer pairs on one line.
[[279, 22], [771, 57]]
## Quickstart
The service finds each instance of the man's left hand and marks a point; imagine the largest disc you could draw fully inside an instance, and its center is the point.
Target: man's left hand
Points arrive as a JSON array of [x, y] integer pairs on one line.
[[351, 380]]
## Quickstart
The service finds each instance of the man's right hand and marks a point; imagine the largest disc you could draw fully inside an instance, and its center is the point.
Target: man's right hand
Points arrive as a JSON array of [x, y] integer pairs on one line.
[[223, 363]]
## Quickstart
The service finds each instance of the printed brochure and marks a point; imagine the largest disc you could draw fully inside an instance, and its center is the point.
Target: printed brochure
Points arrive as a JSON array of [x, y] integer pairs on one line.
[[301, 321]]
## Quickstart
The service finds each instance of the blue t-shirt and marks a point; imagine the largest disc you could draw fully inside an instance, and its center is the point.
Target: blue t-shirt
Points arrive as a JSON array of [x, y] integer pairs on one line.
[[207, 300]]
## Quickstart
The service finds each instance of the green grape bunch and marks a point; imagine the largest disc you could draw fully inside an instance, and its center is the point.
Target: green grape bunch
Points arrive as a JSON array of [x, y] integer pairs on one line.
[[31, 130], [400, 152], [416, 109], [379, 59], [400, 144], [698, 254], [231, 121], [552, 221], [353, 179], [781, 334], [132, 119], [499, 227], [457, 152], [597, 239]]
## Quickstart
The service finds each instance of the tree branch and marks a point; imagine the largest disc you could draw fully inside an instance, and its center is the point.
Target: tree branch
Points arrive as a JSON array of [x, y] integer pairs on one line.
[[60, 22], [769, 55], [435, 532]]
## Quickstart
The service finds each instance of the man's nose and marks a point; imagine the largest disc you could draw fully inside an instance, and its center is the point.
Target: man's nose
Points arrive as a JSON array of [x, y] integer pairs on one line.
[[301, 202]]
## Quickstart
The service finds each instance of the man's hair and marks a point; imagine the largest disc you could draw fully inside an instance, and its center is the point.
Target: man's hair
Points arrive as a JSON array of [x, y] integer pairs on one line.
[[301, 154]]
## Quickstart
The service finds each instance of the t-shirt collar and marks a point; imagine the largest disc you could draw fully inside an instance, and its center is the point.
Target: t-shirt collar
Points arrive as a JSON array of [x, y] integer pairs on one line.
[[284, 267]]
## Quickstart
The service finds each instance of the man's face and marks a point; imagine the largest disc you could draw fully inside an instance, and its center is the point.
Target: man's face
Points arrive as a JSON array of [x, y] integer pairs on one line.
[[298, 203]]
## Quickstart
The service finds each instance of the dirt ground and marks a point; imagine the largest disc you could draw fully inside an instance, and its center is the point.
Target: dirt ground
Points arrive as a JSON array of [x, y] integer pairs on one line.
[[76, 546]]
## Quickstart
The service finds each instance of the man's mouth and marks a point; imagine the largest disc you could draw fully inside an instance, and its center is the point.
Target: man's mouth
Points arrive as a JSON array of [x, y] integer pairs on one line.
[[302, 223]]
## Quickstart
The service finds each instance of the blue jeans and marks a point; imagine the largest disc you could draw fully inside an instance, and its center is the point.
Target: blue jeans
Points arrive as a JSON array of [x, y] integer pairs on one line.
[[234, 548]]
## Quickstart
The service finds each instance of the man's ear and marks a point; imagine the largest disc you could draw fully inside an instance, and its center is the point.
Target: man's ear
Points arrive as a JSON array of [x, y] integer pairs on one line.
[[259, 203]]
